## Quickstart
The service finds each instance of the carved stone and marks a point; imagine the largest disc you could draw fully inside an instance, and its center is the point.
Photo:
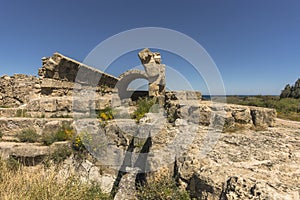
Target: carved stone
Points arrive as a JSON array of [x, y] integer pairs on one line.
[[155, 72]]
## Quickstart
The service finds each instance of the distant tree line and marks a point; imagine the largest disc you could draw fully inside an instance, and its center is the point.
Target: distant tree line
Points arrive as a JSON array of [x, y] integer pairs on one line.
[[291, 91]]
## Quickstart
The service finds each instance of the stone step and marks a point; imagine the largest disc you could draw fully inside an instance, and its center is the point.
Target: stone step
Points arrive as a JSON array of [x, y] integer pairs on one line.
[[13, 125], [12, 112], [9, 139], [57, 105], [32, 153]]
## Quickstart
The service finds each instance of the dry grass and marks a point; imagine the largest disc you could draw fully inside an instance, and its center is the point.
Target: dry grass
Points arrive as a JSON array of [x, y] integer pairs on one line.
[[43, 185]]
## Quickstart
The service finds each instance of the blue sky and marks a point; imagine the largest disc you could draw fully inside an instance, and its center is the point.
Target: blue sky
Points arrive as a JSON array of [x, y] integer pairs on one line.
[[255, 44]]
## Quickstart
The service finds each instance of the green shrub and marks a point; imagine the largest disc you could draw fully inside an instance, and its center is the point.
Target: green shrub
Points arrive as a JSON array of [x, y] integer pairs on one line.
[[78, 144], [64, 133], [165, 188], [21, 113], [106, 114], [48, 138], [28, 135], [13, 164], [81, 139], [95, 192], [60, 154], [144, 105]]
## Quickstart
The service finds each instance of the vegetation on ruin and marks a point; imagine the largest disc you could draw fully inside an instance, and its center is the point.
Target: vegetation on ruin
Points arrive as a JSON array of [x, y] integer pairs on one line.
[[21, 113], [45, 183], [106, 114], [143, 106], [28, 135], [64, 133], [59, 154], [164, 188]]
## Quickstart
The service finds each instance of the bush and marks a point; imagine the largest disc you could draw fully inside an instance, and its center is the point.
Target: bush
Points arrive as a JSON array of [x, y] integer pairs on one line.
[[106, 114], [13, 164], [78, 144], [21, 113], [144, 105], [64, 133], [81, 139], [163, 189], [28, 135], [60, 154]]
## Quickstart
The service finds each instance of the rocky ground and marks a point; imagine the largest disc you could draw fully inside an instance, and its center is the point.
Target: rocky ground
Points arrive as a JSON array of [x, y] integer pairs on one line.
[[246, 164], [215, 151]]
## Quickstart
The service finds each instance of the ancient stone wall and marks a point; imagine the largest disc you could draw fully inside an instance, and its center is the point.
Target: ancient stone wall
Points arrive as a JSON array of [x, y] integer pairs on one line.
[[18, 89], [60, 67], [187, 105]]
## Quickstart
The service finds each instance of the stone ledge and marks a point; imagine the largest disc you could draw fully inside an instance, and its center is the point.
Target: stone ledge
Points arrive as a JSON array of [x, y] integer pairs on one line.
[[60, 67]]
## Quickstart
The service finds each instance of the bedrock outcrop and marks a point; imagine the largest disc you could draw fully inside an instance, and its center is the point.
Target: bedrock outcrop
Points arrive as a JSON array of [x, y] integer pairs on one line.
[[214, 150], [245, 164]]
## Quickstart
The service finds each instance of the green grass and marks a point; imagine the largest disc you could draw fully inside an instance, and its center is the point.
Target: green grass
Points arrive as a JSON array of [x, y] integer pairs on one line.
[[64, 133], [19, 183], [162, 189], [16, 182], [21, 113], [28, 135], [144, 105], [287, 108]]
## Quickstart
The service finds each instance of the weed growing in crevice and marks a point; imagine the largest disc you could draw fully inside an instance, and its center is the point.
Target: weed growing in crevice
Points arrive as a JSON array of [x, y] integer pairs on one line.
[[28, 135]]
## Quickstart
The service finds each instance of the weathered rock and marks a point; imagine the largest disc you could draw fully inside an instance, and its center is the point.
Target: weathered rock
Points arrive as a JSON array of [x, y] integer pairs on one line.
[[60, 67], [207, 113], [210, 163], [87, 172], [183, 95], [155, 72], [244, 165], [126, 189], [12, 126], [17, 90], [28, 153], [263, 117]]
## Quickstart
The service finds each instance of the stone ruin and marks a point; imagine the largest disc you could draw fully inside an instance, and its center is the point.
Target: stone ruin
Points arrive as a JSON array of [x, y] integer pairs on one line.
[[51, 95], [60, 67], [231, 170], [156, 74]]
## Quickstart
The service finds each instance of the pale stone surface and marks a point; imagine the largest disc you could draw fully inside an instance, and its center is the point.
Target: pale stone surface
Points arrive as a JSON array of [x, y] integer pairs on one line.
[[210, 163], [126, 188], [206, 113], [17, 90], [155, 72], [27, 150], [60, 67], [245, 164], [12, 126]]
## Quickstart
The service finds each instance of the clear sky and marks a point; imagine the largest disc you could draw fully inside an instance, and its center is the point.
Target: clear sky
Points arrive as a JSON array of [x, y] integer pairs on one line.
[[255, 44]]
